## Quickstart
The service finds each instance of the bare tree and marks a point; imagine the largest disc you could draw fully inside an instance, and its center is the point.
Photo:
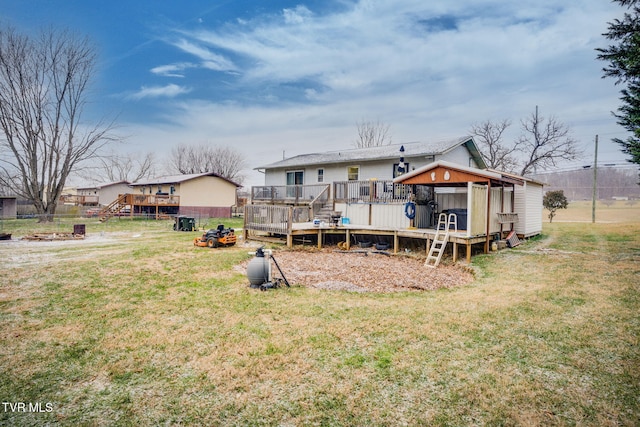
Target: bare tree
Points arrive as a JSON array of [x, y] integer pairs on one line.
[[115, 167], [43, 85], [495, 152], [372, 134], [224, 161], [544, 143]]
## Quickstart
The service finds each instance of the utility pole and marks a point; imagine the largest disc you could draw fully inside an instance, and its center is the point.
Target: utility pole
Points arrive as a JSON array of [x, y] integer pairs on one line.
[[595, 184]]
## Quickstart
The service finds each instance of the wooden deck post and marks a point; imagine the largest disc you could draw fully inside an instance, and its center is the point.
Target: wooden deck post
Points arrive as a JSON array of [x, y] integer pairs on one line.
[[455, 251], [290, 227], [488, 228], [396, 241], [348, 240], [319, 238], [468, 252]]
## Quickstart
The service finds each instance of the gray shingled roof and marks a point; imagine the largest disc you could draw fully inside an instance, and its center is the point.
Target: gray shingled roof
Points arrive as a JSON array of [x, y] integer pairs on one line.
[[411, 149], [175, 179]]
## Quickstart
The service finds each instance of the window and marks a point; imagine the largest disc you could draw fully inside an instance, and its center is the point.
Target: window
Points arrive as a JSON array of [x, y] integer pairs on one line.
[[353, 173], [320, 175], [397, 172], [294, 178]]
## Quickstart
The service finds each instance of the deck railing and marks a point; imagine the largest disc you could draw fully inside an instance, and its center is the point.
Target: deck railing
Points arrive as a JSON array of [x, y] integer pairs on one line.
[[77, 199], [298, 194], [152, 199], [374, 191], [318, 203], [268, 218]]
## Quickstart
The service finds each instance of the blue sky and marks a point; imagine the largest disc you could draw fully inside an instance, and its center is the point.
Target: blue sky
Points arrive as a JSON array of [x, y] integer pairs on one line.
[[268, 77]]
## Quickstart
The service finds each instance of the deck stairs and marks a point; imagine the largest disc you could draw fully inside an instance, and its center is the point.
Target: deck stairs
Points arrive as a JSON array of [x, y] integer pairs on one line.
[[113, 208], [324, 214], [445, 222]]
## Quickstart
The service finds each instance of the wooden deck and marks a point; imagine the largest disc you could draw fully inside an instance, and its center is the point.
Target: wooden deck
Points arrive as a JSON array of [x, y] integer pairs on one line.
[[308, 229]]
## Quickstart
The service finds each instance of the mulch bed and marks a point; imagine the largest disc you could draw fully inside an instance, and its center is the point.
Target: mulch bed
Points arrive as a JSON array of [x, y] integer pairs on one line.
[[365, 271]]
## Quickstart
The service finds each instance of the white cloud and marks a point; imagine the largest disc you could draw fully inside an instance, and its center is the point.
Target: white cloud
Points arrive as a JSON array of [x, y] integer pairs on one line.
[[167, 91], [429, 69], [298, 15], [172, 70], [211, 59]]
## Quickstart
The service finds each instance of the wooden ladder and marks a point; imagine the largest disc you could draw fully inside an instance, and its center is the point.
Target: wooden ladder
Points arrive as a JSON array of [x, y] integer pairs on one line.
[[113, 208], [441, 238]]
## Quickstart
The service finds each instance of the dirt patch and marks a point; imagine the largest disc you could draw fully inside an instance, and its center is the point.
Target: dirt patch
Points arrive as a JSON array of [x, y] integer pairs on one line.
[[24, 252], [365, 272]]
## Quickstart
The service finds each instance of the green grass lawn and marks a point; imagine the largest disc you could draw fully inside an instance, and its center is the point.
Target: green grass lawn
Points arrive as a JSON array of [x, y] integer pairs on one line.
[[146, 329]]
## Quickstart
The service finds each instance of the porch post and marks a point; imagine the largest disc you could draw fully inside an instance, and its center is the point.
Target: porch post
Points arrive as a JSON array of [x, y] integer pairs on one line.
[[486, 243], [290, 227], [396, 241]]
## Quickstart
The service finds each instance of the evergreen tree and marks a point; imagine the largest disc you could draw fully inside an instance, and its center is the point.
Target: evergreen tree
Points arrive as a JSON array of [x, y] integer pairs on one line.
[[624, 66]]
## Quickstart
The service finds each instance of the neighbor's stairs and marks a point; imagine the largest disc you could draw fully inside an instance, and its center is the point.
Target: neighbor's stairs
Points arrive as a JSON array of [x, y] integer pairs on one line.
[[441, 238], [113, 208]]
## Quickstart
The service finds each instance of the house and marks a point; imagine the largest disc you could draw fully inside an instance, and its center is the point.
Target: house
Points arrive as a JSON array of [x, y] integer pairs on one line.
[[203, 195], [373, 196], [362, 164], [102, 194]]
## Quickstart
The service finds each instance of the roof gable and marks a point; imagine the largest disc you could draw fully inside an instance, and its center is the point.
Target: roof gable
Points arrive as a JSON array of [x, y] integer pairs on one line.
[[447, 173], [442, 172]]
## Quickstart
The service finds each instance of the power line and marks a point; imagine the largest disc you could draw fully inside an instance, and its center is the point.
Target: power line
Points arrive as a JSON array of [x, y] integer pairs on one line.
[[590, 166]]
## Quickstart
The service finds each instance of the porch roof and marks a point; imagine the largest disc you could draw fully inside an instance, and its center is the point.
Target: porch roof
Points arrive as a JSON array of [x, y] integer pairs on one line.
[[443, 173]]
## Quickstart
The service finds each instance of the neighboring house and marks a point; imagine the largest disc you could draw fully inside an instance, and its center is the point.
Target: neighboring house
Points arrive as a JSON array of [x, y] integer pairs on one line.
[[381, 163], [101, 194], [204, 195], [8, 207]]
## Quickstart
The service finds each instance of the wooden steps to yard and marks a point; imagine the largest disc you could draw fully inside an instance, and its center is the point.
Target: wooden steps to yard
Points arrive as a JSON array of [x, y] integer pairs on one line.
[[113, 208]]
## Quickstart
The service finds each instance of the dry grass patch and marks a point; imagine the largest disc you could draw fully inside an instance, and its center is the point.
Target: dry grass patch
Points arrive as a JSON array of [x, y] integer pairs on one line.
[[157, 332]]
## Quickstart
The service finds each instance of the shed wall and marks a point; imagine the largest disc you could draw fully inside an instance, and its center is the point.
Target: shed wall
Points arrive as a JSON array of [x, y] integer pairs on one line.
[[528, 205], [8, 207]]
